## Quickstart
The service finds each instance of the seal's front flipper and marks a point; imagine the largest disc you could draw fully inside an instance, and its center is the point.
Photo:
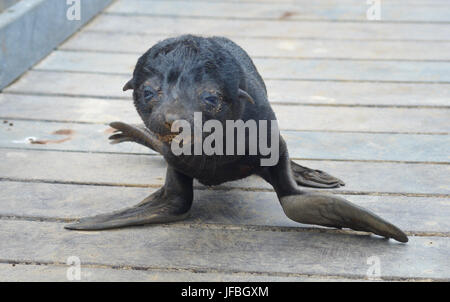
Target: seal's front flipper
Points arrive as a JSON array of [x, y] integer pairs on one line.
[[134, 133], [333, 211], [153, 209], [170, 203], [307, 177]]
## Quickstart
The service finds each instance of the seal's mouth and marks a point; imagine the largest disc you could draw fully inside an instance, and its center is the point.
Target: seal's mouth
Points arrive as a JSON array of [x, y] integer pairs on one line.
[[175, 138], [180, 140], [167, 138]]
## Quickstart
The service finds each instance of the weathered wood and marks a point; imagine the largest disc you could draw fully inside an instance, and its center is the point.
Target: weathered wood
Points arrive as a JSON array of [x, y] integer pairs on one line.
[[233, 207], [363, 119], [353, 71], [73, 84], [358, 93], [323, 10], [390, 50], [367, 146], [227, 250], [306, 118], [90, 110], [89, 62], [280, 29], [124, 169], [296, 92], [274, 68], [309, 145], [237, 231], [64, 136], [58, 273]]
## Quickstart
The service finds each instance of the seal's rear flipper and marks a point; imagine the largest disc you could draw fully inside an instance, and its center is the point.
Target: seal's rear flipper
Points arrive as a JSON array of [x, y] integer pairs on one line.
[[170, 203], [307, 177], [333, 211]]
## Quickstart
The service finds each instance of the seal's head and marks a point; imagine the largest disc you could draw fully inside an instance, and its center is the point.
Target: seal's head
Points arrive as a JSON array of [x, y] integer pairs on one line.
[[180, 76]]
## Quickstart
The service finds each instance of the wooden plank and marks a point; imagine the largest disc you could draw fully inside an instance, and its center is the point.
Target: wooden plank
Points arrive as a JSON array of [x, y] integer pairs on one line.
[[76, 84], [309, 145], [354, 93], [353, 71], [64, 137], [89, 62], [365, 146], [257, 47], [84, 110], [324, 10], [321, 118], [281, 29], [363, 119], [228, 250], [274, 68], [43, 201], [58, 273], [295, 92], [143, 170]]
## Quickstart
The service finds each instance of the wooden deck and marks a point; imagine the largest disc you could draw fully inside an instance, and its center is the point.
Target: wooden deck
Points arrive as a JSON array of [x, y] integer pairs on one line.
[[367, 101]]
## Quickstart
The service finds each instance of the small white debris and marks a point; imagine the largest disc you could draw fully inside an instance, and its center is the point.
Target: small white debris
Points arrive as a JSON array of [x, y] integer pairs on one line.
[[27, 140]]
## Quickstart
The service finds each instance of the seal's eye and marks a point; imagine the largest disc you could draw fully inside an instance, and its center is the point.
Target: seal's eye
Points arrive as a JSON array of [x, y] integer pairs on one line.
[[149, 93], [211, 99]]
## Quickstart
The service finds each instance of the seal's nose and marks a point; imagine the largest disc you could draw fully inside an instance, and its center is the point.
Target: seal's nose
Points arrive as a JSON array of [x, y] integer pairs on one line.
[[170, 118]]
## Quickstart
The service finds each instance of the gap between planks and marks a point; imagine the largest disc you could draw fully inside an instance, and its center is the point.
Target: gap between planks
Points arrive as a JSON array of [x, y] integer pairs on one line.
[[265, 78], [254, 28], [235, 36], [274, 102], [324, 11], [289, 69], [217, 188], [229, 18], [222, 226], [304, 58], [291, 157], [126, 98], [216, 271], [299, 130]]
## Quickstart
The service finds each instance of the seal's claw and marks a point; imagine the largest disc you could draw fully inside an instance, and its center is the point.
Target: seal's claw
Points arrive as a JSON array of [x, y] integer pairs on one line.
[[119, 138]]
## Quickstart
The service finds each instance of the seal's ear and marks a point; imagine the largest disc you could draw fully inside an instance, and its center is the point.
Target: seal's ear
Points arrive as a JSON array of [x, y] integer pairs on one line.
[[243, 95], [128, 85]]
